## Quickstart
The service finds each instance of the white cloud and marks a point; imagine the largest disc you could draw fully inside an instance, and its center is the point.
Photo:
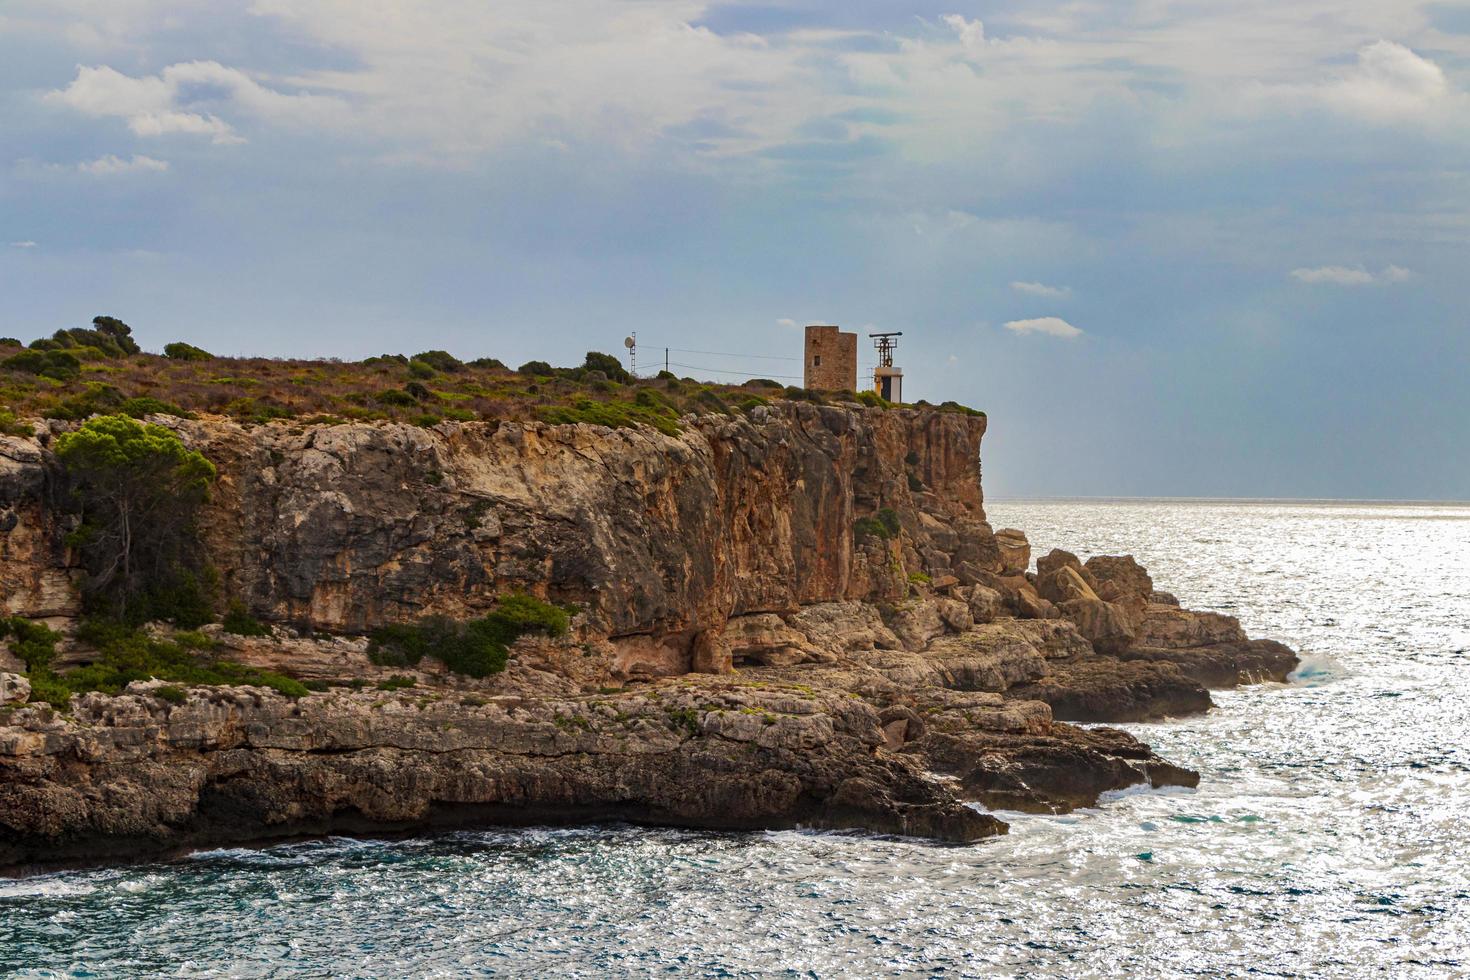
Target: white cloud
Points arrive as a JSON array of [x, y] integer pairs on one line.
[[25, 244], [1042, 289], [1388, 81], [952, 359], [786, 322], [1052, 326], [1341, 275], [183, 98], [970, 32], [110, 165]]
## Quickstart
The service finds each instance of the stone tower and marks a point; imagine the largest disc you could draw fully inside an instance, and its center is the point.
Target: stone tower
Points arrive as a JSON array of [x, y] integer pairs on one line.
[[831, 359]]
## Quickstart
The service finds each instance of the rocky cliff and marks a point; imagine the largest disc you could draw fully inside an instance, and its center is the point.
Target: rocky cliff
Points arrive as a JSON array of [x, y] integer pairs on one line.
[[795, 617]]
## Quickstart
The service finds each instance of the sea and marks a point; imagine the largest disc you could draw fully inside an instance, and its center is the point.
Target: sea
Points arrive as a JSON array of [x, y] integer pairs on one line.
[[1329, 835]]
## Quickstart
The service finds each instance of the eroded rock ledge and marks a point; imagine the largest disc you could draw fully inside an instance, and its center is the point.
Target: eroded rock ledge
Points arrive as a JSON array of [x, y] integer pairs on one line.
[[745, 656]]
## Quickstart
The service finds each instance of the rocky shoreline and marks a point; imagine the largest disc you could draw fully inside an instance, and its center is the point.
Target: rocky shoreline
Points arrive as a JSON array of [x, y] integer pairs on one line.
[[746, 652]]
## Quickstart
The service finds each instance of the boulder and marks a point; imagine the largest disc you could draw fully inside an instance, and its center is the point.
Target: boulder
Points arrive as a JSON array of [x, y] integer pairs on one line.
[[1064, 583], [843, 627], [764, 638], [1116, 577], [955, 614], [1015, 551], [985, 603], [916, 622], [1105, 624], [711, 654], [1172, 628], [1055, 559], [14, 689]]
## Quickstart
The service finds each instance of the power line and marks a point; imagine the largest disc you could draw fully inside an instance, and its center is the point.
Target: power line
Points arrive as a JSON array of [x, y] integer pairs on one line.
[[724, 353], [748, 374]]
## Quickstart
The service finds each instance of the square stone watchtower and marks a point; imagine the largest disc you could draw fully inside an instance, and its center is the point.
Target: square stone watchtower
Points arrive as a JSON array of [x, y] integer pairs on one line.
[[831, 359]]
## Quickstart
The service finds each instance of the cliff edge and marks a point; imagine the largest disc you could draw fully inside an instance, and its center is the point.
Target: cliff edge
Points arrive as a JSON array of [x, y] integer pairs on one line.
[[798, 616]]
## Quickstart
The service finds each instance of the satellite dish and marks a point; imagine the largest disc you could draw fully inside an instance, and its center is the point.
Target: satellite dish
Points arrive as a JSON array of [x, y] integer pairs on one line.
[[629, 343]]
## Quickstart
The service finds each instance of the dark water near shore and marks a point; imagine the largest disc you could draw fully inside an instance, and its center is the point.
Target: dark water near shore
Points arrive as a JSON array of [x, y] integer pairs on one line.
[[1327, 838]]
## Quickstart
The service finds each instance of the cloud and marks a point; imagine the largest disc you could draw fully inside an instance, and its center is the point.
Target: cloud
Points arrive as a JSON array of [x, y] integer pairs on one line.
[[970, 32], [1341, 275], [1388, 81], [25, 244], [1052, 326], [1041, 289], [184, 97], [110, 165], [786, 322]]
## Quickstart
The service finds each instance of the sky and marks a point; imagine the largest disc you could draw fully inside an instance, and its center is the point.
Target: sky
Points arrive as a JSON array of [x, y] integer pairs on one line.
[[1195, 248]]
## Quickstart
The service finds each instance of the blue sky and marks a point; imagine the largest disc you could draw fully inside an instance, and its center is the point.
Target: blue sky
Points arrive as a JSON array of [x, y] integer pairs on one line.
[[1176, 248]]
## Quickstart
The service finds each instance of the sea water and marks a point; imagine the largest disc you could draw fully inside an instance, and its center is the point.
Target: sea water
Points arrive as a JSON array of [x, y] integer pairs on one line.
[[1328, 836]]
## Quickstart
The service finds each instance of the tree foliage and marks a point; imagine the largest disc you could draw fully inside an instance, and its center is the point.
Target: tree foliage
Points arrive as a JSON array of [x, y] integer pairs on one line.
[[138, 489]]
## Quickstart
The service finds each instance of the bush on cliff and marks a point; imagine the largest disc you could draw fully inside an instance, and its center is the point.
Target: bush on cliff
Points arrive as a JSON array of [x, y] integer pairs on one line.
[[180, 351], [477, 648], [884, 525], [137, 488], [239, 621]]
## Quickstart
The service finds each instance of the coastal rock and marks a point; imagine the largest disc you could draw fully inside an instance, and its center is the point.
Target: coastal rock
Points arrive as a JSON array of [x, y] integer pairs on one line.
[[1118, 577], [985, 603], [1015, 551], [244, 763], [14, 689], [1172, 628], [1105, 689], [764, 638]]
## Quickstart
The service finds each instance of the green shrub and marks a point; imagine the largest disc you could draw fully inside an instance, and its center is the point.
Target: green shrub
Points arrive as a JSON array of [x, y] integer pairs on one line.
[[421, 369], [139, 407], [608, 365], [915, 484], [439, 360], [477, 648], [126, 654], [238, 620], [171, 693], [884, 524], [59, 365], [12, 426], [396, 682], [539, 369], [396, 396], [34, 643], [488, 362], [614, 415], [952, 406], [764, 383], [180, 351], [418, 390], [920, 578]]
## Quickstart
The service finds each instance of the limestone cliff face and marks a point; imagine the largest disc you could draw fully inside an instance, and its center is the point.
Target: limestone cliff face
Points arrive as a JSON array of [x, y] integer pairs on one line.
[[34, 578], [346, 527]]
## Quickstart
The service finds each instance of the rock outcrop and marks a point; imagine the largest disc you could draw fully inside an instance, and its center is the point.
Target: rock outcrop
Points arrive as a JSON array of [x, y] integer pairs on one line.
[[796, 618]]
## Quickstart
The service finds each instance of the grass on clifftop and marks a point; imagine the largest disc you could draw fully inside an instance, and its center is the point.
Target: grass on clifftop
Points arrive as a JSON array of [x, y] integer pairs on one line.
[[75, 374]]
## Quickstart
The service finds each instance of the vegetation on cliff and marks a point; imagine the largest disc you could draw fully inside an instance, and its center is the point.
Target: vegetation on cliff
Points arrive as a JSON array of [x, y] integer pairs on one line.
[[477, 648], [75, 374], [136, 489], [126, 655]]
